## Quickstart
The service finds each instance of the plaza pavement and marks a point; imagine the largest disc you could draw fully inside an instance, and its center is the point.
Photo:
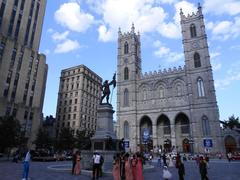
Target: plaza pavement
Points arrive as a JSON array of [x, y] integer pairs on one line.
[[219, 170]]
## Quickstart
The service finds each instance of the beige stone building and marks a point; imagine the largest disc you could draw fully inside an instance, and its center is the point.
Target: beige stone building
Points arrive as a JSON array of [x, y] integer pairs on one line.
[[78, 98], [174, 109], [23, 70]]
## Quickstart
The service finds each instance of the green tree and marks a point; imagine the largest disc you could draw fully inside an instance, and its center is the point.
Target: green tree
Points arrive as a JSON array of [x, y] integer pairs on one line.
[[43, 139], [233, 122], [10, 133], [83, 139], [66, 140]]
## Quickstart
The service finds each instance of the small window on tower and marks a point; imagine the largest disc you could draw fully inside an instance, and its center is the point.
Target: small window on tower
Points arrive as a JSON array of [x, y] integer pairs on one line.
[[126, 73], [197, 61], [126, 48], [193, 30]]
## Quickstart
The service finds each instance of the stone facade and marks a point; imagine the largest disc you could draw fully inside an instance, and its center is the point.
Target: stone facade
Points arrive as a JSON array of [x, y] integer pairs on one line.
[[78, 98], [23, 70], [174, 109]]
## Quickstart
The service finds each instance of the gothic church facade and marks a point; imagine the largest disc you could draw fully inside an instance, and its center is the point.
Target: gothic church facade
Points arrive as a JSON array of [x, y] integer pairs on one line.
[[173, 109]]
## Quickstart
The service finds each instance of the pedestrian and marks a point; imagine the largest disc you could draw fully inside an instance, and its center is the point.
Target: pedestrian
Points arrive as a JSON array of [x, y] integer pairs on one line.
[[170, 164], [203, 169], [164, 159], [166, 173], [159, 160], [96, 165], [116, 167], [74, 161], [26, 165], [178, 158], [77, 167], [134, 162], [139, 167], [122, 166], [229, 156], [181, 170], [101, 164], [128, 168]]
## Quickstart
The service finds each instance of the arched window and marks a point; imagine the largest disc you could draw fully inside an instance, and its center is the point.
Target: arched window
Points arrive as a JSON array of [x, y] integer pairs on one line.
[[179, 89], [125, 48], [126, 98], [126, 130], [205, 126], [166, 127], [144, 94], [126, 73], [161, 92], [185, 129], [200, 87], [193, 30], [197, 61]]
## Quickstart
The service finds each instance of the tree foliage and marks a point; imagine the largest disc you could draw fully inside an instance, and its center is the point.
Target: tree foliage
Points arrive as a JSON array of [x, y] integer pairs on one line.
[[43, 139], [232, 122], [83, 139], [66, 140], [10, 132]]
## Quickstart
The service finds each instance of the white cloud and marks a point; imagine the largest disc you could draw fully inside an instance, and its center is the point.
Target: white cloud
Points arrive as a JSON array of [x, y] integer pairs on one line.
[[166, 53], [147, 15], [60, 36], [215, 61], [218, 7], [233, 75], [225, 30], [67, 46], [187, 8], [70, 15]]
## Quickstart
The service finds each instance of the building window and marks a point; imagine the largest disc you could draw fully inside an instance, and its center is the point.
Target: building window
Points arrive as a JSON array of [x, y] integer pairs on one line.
[[193, 30], [161, 92], [18, 26], [205, 126], [126, 130], [166, 127], [126, 98], [126, 73], [200, 87], [179, 89], [197, 61], [2, 11], [185, 129], [125, 48], [10, 27]]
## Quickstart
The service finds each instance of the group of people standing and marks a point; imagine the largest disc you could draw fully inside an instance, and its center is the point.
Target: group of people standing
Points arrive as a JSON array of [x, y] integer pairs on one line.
[[127, 168]]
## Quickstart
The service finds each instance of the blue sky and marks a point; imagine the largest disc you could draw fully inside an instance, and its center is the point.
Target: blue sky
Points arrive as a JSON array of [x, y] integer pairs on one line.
[[85, 32]]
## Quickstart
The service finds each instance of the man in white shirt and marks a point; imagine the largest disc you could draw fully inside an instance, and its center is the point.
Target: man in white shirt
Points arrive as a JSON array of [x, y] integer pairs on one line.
[[96, 165], [26, 165]]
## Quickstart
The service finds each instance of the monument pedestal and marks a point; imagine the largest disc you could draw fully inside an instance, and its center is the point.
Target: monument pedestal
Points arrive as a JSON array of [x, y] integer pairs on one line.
[[104, 140]]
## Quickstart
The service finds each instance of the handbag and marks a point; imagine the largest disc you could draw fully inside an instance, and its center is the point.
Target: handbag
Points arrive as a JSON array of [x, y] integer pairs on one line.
[[167, 174]]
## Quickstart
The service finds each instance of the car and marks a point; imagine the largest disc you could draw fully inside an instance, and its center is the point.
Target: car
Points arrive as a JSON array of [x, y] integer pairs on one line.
[[236, 157]]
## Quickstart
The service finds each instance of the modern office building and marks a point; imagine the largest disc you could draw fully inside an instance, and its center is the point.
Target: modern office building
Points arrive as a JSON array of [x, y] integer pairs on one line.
[[78, 98], [23, 70], [174, 109]]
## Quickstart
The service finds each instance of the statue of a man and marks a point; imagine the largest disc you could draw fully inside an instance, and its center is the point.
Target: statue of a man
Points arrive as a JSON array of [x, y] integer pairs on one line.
[[106, 90]]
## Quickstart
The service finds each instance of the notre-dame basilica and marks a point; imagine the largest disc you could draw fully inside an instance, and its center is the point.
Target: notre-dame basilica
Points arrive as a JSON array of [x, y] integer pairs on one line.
[[174, 109]]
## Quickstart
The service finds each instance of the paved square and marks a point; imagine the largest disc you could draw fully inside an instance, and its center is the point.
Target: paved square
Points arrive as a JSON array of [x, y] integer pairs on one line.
[[219, 170]]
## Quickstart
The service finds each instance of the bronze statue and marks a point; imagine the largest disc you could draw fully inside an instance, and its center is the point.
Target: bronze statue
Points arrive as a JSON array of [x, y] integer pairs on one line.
[[106, 90]]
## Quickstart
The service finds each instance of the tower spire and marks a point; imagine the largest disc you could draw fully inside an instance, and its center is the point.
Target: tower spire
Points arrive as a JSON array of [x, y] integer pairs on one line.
[[133, 28]]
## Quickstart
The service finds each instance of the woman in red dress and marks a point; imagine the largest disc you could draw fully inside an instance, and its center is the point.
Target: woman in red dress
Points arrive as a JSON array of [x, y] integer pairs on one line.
[[139, 168], [128, 168], [77, 168], [134, 166], [116, 168]]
